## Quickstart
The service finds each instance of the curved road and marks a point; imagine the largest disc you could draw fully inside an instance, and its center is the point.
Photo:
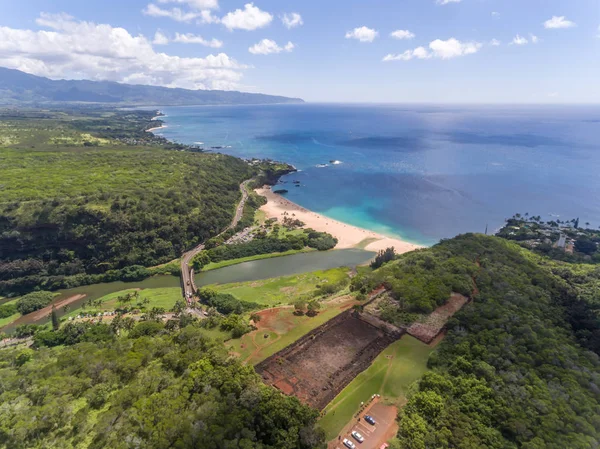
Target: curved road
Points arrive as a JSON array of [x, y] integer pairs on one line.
[[187, 277]]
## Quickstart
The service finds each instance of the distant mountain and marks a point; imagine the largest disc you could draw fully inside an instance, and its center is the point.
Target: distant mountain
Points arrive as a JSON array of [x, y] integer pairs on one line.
[[18, 87]]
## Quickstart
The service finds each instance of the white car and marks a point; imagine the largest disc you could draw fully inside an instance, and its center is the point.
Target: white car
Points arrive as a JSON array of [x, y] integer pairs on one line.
[[349, 444], [357, 436]]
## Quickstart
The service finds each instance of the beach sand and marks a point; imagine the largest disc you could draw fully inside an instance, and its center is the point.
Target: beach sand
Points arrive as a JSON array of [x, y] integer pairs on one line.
[[348, 236]]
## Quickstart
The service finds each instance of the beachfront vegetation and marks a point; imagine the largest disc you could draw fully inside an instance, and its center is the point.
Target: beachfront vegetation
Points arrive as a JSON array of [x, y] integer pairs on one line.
[[155, 388], [33, 301], [273, 242], [569, 240]]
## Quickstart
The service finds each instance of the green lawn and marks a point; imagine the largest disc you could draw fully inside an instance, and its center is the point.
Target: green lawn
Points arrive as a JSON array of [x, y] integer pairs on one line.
[[390, 375], [282, 329], [9, 319], [284, 289], [158, 297]]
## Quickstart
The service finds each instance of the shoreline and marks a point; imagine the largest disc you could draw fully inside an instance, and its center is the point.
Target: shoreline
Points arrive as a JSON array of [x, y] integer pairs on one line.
[[349, 236], [149, 130]]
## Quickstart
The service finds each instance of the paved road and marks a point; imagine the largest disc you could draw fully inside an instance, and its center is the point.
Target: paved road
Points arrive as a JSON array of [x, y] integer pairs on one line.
[[187, 277]]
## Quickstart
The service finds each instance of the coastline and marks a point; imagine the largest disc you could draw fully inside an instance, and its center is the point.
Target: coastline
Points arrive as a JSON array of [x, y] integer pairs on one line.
[[348, 236], [155, 128]]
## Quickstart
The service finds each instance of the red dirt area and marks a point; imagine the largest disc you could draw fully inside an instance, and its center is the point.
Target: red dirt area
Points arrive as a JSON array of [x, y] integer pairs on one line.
[[385, 427], [435, 322], [320, 364]]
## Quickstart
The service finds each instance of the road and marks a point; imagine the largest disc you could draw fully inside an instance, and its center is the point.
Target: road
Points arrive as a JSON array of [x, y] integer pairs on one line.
[[187, 278]]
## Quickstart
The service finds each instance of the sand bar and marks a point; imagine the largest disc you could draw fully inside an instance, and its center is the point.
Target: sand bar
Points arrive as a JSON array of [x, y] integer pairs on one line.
[[348, 236]]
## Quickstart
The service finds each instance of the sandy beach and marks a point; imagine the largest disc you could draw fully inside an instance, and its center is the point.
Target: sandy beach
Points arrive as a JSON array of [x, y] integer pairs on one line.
[[348, 236], [154, 129]]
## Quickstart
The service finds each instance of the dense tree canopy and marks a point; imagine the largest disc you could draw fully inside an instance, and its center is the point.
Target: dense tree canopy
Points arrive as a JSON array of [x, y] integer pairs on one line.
[[511, 372], [164, 391]]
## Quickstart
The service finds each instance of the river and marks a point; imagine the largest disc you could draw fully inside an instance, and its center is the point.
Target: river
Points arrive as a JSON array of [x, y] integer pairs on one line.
[[246, 271]]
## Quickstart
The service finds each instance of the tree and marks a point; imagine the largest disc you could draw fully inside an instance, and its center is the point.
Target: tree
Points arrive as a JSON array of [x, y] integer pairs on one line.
[[54, 318], [255, 318], [313, 307], [383, 256], [299, 306], [585, 245]]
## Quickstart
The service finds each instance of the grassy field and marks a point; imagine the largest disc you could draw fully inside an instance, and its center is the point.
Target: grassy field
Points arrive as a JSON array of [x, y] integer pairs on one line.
[[282, 290], [390, 375], [282, 328], [158, 297]]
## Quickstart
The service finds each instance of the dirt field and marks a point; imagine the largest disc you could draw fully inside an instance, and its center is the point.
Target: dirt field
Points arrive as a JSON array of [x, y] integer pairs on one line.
[[427, 330], [385, 427], [319, 365]]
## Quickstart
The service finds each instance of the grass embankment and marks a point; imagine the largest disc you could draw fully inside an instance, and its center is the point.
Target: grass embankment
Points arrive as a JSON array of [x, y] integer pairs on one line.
[[282, 290], [390, 375], [282, 328], [9, 319]]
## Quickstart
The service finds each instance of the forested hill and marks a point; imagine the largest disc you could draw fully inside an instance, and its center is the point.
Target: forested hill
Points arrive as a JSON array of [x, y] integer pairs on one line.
[[92, 197], [18, 87], [513, 370]]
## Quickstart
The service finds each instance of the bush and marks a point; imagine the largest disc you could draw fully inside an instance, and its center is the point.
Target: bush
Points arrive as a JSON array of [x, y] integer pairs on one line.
[[146, 328], [8, 310], [34, 301]]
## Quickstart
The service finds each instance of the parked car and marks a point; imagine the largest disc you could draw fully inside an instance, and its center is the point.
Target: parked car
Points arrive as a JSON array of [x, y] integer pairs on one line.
[[370, 419], [357, 436], [349, 444]]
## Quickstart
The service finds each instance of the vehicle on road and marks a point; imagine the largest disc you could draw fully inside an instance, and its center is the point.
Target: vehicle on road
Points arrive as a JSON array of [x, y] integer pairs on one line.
[[357, 436], [370, 419], [349, 444]]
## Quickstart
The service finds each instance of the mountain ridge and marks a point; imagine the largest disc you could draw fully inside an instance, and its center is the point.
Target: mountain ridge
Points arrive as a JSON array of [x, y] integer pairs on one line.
[[19, 88]]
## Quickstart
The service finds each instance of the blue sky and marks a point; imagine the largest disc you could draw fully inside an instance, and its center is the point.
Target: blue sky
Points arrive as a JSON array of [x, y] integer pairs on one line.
[[467, 51]]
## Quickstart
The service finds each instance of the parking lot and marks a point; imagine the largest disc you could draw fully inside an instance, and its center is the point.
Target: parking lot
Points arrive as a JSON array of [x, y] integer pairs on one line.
[[375, 436]]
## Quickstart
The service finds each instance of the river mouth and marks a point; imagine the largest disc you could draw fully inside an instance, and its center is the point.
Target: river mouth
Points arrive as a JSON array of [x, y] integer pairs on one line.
[[246, 271]]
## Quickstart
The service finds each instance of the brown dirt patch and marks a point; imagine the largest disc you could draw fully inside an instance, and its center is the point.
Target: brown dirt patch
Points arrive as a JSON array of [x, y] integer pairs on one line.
[[325, 360], [427, 330], [42, 313]]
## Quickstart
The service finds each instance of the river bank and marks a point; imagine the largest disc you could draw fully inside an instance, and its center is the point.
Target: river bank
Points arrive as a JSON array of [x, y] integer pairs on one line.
[[348, 236]]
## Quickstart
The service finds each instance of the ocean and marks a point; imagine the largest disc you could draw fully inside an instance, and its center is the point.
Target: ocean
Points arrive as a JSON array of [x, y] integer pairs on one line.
[[419, 172]]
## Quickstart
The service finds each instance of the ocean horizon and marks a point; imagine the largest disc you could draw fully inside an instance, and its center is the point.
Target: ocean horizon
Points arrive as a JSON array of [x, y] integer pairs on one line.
[[418, 172]]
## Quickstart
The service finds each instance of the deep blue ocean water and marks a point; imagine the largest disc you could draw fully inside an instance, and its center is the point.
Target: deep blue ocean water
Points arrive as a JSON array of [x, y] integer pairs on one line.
[[418, 172]]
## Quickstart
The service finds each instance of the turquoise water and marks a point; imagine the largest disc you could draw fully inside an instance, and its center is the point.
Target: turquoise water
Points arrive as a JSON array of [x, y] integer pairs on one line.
[[418, 172]]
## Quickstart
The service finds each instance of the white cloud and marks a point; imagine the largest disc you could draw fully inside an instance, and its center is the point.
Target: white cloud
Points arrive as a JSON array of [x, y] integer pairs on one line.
[[402, 34], [160, 39], [292, 20], [558, 22], [363, 34], [495, 14], [190, 38], [250, 18], [534, 38], [519, 40], [419, 53], [452, 48], [495, 42], [446, 2], [438, 48], [268, 47], [195, 4], [85, 50], [176, 14]]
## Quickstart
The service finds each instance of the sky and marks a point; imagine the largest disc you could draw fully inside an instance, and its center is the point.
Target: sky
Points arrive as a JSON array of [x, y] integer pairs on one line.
[[380, 51]]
